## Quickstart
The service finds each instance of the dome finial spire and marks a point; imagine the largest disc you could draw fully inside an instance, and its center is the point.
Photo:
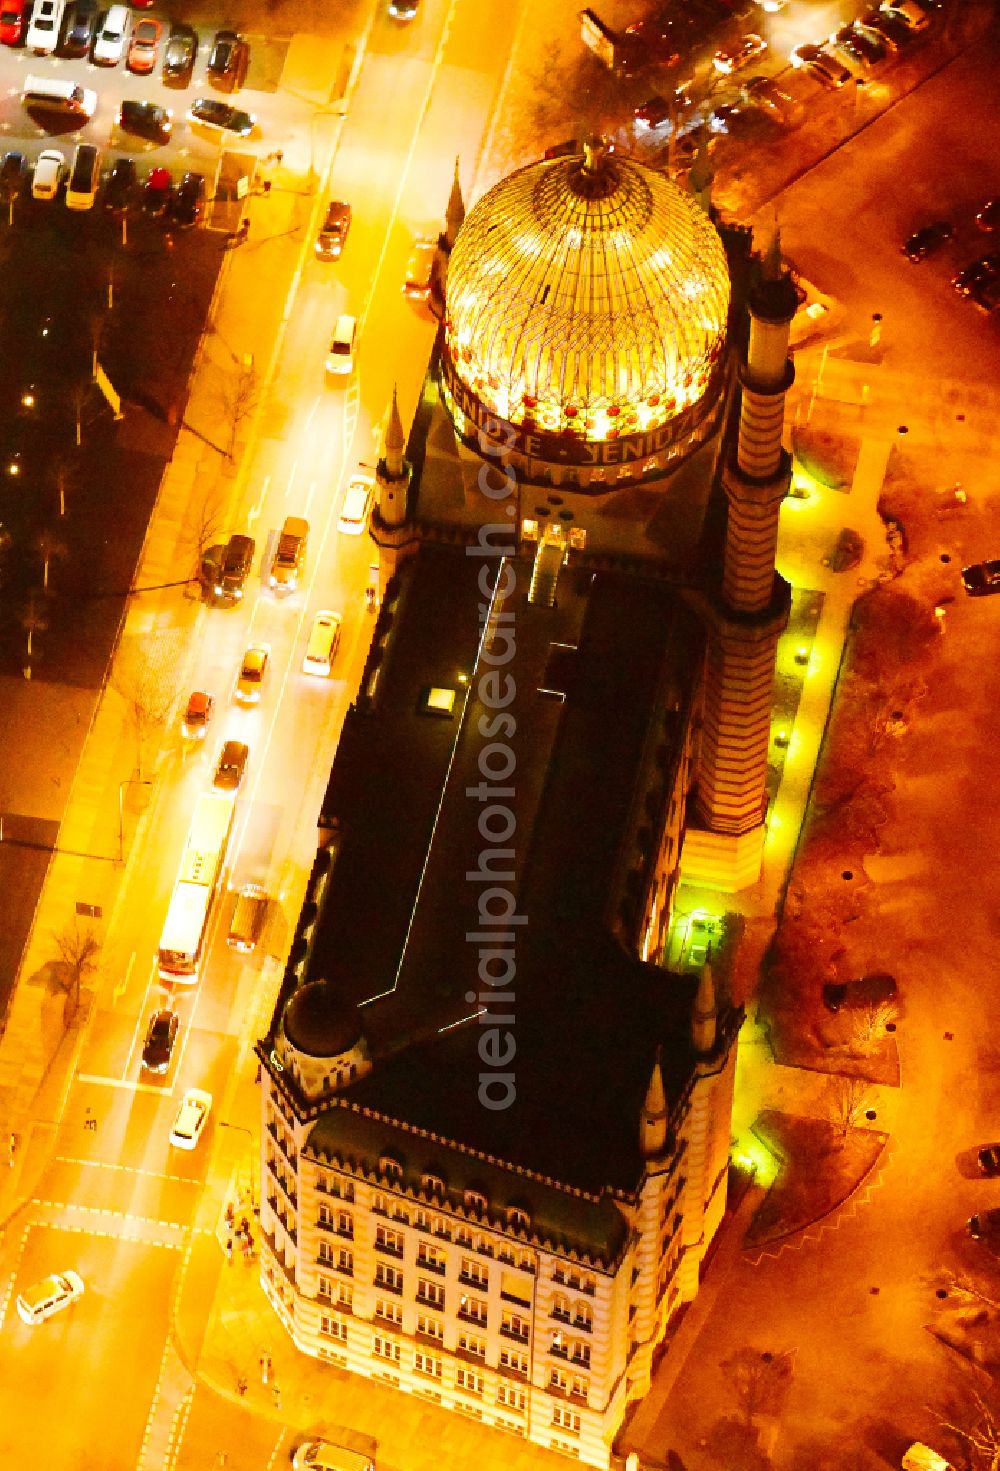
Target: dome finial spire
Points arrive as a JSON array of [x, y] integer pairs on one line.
[[454, 215]]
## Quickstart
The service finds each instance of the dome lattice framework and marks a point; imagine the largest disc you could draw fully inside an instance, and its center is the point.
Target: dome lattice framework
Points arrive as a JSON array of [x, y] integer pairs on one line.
[[587, 298]]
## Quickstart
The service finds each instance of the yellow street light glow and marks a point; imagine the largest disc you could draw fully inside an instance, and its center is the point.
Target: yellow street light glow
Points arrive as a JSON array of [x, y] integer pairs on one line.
[[13, 468], [28, 399]]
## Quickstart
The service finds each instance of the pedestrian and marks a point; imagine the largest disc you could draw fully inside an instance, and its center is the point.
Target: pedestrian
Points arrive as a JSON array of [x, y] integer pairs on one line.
[[277, 1398], [241, 1385], [247, 1248], [12, 1149], [229, 1214], [265, 1368], [229, 1250]]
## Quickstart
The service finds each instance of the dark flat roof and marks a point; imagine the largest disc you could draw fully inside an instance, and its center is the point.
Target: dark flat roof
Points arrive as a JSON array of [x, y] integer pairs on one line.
[[586, 1016]]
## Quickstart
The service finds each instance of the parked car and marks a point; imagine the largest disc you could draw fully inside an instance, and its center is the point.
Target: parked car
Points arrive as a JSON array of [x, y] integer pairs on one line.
[[231, 766], [821, 64], [79, 35], [731, 58], [234, 568], [227, 59], [873, 46], [198, 715], [653, 113], [986, 295], [889, 27], [12, 21], [981, 579], [159, 1044], [188, 202], [988, 1159], [44, 27], [988, 218], [927, 240], [11, 173], [49, 1296], [84, 177], [146, 120], [48, 174], [986, 268], [417, 281], [156, 192], [765, 93], [220, 117], [142, 45], [180, 54], [333, 232], [120, 187], [984, 1226], [872, 990], [250, 680], [191, 1118], [852, 48], [109, 46], [913, 14], [402, 9]]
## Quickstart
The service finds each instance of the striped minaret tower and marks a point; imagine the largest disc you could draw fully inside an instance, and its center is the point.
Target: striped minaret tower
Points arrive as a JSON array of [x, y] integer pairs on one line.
[[389, 526], [724, 846]]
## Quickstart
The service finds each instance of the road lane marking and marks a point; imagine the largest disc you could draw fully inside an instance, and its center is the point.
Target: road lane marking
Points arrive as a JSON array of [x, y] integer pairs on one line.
[[309, 497], [110, 1164], [131, 1085], [105, 1213], [253, 514]]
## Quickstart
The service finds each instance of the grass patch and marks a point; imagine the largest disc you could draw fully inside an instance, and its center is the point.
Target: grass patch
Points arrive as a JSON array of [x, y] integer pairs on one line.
[[819, 1169]]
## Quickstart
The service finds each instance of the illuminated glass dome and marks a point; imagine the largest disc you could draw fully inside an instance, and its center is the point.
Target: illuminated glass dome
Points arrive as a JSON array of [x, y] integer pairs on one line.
[[587, 298]]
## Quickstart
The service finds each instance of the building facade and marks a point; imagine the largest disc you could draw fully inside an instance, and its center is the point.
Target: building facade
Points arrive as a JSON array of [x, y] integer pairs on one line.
[[495, 1128]]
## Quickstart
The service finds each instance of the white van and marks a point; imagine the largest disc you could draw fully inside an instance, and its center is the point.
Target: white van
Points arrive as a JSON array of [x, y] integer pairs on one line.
[[323, 642], [322, 1455], [357, 501], [81, 191], [50, 94], [340, 358]]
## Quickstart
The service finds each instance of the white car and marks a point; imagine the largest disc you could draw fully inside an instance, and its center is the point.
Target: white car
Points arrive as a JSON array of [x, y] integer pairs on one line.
[[196, 1105], [109, 47], [357, 501], [46, 23], [48, 173], [49, 1296], [323, 643]]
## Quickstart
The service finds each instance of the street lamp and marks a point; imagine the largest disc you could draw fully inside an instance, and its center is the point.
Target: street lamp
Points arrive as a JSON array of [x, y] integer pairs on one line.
[[242, 1129]]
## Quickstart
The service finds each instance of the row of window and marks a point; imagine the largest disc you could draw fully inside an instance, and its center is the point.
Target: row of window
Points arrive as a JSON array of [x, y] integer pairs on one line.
[[439, 1225]]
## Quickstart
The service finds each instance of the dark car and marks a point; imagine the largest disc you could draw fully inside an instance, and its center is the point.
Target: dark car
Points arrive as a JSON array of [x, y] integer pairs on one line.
[[226, 59], [851, 44], [987, 268], [120, 187], [79, 35], [180, 54], [221, 116], [873, 47], [231, 766], [333, 231], [156, 192], [653, 113], [890, 27], [11, 173], [234, 567], [927, 240], [147, 120], [402, 9], [985, 1227], [988, 218], [874, 990], [986, 295], [159, 1044], [188, 201], [988, 1159], [981, 579]]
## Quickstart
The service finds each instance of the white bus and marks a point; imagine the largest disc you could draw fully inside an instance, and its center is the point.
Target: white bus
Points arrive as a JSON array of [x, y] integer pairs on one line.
[[191, 902]]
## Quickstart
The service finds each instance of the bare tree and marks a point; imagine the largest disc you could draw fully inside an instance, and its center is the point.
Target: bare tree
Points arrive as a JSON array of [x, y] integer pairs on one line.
[[33, 620], [759, 1379], [78, 951], [847, 1100], [204, 520], [241, 396], [144, 679], [50, 548], [979, 1430], [869, 1025]]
